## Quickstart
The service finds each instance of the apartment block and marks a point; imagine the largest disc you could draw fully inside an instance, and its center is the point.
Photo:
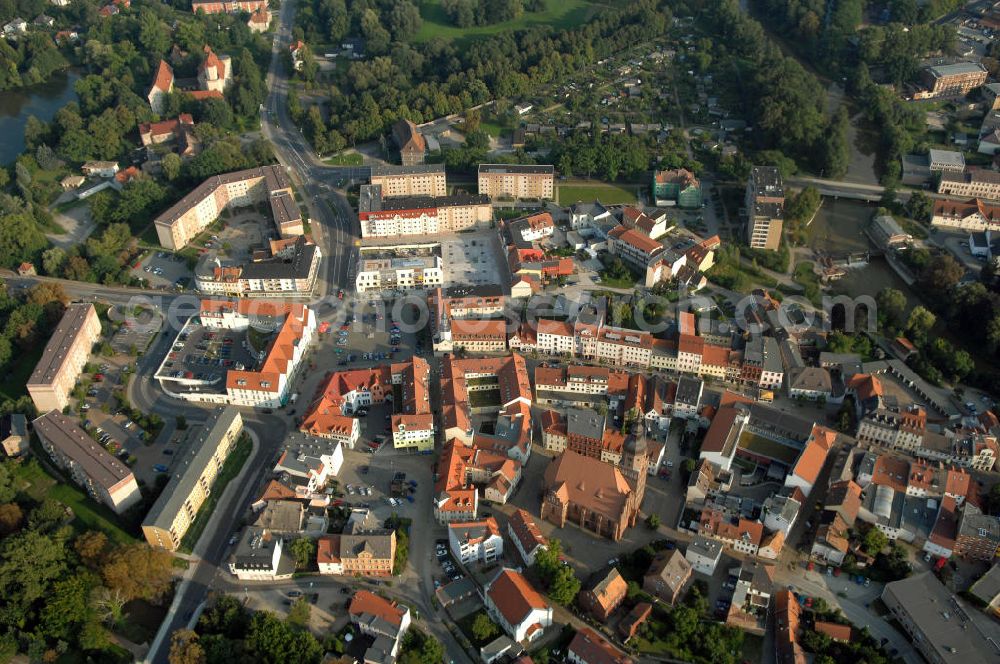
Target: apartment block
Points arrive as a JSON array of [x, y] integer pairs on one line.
[[512, 181], [180, 223], [64, 357], [291, 270], [192, 478], [415, 180], [971, 215], [382, 216], [765, 206], [476, 541], [104, 477], [977, 183], [400, 273], [229, 6], [952, 80]]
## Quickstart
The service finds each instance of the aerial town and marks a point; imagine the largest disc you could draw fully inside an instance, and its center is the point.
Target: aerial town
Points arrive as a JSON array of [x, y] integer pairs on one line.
[[500, 331]]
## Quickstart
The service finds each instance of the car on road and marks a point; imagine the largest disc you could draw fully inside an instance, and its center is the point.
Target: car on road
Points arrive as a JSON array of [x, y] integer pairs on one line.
[[160, 468], [295, 593]]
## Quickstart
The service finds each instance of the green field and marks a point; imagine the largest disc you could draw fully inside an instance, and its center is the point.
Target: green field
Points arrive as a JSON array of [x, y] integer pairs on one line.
[[609, 194], [34, 481], [349, 159], [560, 14]]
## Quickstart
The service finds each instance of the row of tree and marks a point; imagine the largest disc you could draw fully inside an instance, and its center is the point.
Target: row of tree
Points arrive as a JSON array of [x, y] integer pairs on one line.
[[467, 13]]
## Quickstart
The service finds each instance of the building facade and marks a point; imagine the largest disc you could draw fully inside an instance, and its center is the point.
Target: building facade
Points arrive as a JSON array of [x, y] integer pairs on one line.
[[191, 483], [419, 180], [512, 181]]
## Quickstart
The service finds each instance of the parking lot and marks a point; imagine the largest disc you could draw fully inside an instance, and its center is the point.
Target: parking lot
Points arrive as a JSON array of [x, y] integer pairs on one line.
[[163, 269], [200, 356], [136, 332], [472, 258]]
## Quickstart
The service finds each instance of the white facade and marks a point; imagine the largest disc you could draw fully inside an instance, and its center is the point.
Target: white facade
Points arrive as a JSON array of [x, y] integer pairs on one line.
[[485, 550], [704, 561]]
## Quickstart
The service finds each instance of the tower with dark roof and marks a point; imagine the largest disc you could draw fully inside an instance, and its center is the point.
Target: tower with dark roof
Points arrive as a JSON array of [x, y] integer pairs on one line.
[[634, 464]]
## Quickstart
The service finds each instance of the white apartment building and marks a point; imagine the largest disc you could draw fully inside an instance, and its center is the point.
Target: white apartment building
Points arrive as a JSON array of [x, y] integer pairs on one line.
[[515, 181], [415, 180], [399, 273], [476, 541]]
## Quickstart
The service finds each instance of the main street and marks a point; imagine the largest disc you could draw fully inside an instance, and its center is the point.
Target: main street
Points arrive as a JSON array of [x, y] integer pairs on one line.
[[333, 222]]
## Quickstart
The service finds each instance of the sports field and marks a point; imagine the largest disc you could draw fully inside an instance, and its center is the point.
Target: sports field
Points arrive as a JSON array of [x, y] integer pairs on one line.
[[559, 14]]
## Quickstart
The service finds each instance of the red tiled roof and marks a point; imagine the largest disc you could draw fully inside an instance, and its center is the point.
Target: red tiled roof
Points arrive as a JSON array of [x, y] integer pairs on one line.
[[835, 631], [164, 77], [513, 596], [365, 602]]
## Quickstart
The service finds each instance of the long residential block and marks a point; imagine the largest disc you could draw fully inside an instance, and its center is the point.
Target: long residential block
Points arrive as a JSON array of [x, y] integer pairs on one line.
[[193, 213], [416, 180], [191, 480], [64, 357], [513, 181], [105, 478]]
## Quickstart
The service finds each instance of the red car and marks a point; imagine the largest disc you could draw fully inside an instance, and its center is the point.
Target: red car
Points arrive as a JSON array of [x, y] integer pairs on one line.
[[811, 566], [98, 377], [340, 294]]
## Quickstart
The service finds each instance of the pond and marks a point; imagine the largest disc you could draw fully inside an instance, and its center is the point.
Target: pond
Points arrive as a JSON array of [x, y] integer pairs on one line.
[[42, 101]]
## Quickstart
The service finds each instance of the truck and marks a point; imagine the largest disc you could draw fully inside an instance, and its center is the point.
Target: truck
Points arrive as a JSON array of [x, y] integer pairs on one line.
[[295, 397], [767, 396]]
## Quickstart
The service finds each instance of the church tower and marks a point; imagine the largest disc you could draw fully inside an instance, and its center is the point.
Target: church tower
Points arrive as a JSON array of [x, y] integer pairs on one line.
[[635, 459]]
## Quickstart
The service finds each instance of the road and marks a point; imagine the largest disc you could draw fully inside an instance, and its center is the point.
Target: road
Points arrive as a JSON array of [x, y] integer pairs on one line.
[[334, 224]]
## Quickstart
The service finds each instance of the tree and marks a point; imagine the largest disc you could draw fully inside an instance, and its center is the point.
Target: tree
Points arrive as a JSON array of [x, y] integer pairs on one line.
[[53, 260], [941, 275], [11, 518], [139, 572], [418, 648], [171, 164], [891, 306], [874, 541], [66, 607], [919, 324], [91, 546], [304, 550], [20, 240], [653, 520], [185, 648], [919, 207], [300, 614], [274, 642], [109, 606], [484, 629]]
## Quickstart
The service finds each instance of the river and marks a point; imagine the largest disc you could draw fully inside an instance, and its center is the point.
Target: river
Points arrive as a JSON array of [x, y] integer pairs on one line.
[[42, 101], [838, 228]]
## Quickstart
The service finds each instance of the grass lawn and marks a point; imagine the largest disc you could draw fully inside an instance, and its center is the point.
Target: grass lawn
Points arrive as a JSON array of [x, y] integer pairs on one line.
[[34, 481], [491, 128], [559, 14], [230, 469], [15, 384], [766, 447], [805, 277], [484, 398], [350, 159], [609, 194]]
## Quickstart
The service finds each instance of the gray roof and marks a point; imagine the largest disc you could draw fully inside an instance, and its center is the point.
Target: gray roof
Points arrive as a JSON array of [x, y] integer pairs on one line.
[[521, 169], [419, 202], [378, 545], [978, 525], [62, 339], [955, 633], [282, 516], [688, 390], [814, 379], [584, 422], [957, 68], [14, 424], [498, 646], [987, 588], [705, 547], [457, 591], [382, 170], [946, 157], [97, 464], [295, 266], [191, 464], [255, 550]]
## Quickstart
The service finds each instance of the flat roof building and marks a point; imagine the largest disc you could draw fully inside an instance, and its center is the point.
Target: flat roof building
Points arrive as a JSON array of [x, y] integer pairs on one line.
[[765, 205], [942, 627], [414, 180], [64, 357], [191, 480], [516, 181], [105, 478]]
